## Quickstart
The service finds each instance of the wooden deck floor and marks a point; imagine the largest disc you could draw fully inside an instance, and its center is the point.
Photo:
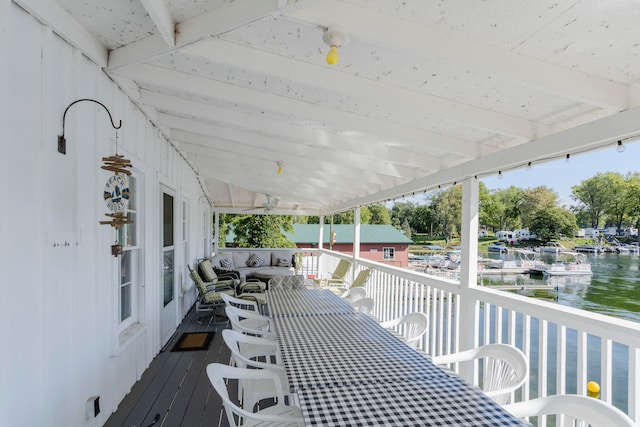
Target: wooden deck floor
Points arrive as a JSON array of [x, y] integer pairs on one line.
[[175, 387]]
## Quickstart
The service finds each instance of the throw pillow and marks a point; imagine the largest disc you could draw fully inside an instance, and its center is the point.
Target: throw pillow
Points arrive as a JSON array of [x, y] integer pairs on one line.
[[283, 262], [226, 264], [254, 260]]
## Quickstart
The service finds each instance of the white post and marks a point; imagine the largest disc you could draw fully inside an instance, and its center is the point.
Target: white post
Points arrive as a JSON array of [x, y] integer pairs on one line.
[[356, 240], [320, 241], [468, 328], [216, 232]]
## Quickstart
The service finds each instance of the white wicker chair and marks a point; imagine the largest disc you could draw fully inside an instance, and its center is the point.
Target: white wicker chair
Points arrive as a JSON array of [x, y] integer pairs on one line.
[[577, 411], [505, 368]]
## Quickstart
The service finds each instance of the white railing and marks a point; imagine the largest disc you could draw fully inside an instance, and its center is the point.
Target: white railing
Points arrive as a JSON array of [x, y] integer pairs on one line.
[[566, 347]]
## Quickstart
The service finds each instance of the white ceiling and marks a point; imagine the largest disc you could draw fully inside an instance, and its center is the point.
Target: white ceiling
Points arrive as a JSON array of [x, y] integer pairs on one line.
[[425, 93]]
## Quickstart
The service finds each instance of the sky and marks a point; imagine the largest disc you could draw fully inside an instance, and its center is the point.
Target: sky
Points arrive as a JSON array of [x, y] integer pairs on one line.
[[561, 175]]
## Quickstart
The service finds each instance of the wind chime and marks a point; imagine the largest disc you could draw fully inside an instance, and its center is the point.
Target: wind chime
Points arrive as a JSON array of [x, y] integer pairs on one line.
[[116, 191]]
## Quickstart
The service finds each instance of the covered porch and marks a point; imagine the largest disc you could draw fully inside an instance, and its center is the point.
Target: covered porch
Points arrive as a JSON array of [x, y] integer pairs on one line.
[[231, 107]]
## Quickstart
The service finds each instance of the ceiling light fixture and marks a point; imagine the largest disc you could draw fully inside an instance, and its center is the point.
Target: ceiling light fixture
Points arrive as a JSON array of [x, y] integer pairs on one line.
[[500, 175], [528, 167], [620, 148], [334, 37], [279, 171], [567, 158]]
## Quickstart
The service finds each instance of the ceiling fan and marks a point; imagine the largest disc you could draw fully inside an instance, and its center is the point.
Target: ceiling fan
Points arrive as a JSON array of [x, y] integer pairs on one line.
[[267, 206]]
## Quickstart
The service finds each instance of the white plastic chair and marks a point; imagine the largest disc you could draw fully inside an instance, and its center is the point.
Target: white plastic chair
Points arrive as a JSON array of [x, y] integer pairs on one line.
[[279, 414], [411, 327], [578, 411], [363, 305], [505, 368], [243, 349], [250, 322], [354, 294]]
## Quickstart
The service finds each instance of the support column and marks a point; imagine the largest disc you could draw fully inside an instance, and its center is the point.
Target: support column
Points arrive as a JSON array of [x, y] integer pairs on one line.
[[356, 240], [468, 327], [216, 232]]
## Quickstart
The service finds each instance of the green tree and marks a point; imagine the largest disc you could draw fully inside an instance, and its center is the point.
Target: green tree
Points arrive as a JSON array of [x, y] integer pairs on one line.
[[406, 228], [263, 231], [423, 219], [379, 215], [535, 200], [400, 212], [593, 197], [553, 223], [447, 207]]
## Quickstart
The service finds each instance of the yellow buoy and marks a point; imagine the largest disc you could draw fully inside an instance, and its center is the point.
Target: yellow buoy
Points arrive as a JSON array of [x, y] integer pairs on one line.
[[593, 389]]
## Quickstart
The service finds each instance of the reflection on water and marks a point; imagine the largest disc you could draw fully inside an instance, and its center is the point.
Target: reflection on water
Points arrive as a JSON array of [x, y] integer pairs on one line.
[[614, 288]]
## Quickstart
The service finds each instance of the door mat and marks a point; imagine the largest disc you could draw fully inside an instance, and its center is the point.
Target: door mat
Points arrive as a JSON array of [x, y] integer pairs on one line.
[[190, 341]]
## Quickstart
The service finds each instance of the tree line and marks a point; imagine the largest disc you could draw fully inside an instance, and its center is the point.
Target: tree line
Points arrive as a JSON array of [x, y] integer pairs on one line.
[[607, 199]]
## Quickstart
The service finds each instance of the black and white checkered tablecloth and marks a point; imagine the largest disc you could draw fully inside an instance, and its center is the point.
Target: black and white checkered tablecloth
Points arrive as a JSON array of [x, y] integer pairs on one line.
[[447, 401], [346, 349], [305, 302]]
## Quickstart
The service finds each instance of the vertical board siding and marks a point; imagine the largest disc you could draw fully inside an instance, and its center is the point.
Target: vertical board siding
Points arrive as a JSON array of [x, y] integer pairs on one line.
[[56, 258]]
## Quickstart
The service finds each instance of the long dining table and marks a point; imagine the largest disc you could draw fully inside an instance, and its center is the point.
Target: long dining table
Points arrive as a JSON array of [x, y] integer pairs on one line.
[[343, 368]]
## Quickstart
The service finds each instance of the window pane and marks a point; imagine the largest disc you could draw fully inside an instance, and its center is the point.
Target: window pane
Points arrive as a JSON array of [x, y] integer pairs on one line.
[[125, 267], [125, 302], [168, 276], [167, 219], [132, 194]]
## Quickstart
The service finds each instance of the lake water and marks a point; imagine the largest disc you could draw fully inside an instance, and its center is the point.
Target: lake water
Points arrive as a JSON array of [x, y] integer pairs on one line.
[[614, 288]]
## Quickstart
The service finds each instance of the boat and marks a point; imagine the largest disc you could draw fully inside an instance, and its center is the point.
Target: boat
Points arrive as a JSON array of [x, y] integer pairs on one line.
[[499, 248], [553, 248], [592, 249], [566, 264], [520, 261]]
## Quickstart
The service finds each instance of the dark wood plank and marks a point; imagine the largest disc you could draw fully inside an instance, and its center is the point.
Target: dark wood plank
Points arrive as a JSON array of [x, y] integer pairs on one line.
[[176, 385]]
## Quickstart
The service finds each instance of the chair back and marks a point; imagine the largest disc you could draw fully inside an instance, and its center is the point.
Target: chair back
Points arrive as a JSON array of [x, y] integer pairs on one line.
[[207, 271], [363, 305], [505, 368], [354, 294], [342, 269], [578, 411], [202, 288], [239, 344], [361, 278], [219, 373], [242, 304], [413, 326], [260, 325]]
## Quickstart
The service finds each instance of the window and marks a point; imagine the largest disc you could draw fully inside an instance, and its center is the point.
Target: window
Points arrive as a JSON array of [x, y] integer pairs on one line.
[[388, 253], [129, 261]]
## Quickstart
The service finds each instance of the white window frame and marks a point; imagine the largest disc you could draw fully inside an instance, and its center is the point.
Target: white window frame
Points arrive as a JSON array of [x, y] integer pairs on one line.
[[389, 250], [134, 253]]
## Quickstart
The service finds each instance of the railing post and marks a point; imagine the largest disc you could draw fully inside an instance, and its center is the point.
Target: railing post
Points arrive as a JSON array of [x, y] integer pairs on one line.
[[468, 328], [356, 241]]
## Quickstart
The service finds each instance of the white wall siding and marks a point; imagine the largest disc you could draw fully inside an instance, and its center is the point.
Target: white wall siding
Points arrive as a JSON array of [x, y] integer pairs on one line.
[[59, 304]]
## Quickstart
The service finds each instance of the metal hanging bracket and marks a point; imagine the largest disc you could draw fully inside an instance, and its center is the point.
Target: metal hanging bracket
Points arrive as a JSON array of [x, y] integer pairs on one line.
[[62, 142]]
